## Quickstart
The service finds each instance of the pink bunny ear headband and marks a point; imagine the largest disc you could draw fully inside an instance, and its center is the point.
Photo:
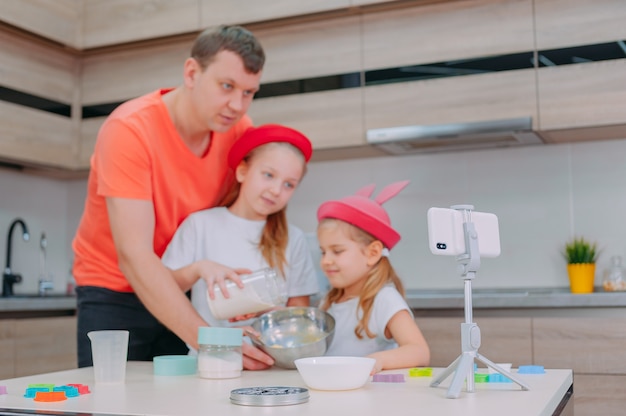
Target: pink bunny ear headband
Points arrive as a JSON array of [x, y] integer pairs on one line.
[[365, 213]]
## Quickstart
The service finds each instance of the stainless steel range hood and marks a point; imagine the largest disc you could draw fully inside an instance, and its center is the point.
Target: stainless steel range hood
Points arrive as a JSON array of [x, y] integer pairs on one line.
[[455, 136]]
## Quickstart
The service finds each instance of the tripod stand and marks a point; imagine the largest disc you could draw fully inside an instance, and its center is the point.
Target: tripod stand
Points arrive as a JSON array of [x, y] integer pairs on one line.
[[463, 365]]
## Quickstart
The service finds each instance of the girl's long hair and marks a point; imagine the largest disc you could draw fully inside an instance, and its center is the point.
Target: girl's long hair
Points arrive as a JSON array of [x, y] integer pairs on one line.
[[275, 234], [381, 274]]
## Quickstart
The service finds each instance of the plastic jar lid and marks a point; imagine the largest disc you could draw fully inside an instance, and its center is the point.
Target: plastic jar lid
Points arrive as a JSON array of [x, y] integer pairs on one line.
[[269, 396], [209, 335], [531, 369], [174, 365]]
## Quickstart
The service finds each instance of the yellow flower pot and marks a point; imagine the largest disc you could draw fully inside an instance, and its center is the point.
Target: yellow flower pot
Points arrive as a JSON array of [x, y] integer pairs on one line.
[[581, 277]]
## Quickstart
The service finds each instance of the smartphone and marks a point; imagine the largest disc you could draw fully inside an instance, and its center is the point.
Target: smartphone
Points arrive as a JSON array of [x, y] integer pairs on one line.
[[446, 236]]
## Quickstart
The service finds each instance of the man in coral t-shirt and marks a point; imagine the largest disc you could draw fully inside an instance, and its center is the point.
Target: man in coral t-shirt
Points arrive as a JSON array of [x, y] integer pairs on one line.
[[157, 159]]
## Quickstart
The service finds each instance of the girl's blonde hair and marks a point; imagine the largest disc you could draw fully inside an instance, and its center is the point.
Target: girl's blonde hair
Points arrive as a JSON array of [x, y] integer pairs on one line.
[[275, 234], [381, 274]]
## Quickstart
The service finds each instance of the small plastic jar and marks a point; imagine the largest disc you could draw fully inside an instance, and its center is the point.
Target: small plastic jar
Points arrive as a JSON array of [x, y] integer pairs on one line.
[[219, 352]]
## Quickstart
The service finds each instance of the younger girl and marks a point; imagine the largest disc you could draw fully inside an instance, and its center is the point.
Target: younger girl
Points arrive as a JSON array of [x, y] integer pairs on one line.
[[366, 298], [251, 232]]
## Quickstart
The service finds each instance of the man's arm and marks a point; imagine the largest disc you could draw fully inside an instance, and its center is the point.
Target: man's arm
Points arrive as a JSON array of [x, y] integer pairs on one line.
[[132, 225]]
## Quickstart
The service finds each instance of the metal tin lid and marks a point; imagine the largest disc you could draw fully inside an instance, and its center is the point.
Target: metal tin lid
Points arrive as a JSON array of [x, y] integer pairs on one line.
[[269, 396]]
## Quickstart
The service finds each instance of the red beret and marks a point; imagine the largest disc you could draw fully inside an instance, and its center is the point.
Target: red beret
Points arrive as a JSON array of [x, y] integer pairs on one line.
[[365, 213], [268, 133]]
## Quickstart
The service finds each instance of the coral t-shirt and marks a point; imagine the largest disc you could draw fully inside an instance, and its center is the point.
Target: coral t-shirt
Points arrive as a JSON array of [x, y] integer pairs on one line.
[[140, 155]]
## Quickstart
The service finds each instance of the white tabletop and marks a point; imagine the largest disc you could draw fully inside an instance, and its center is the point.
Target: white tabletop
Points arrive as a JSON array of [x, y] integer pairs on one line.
[[146, 394]]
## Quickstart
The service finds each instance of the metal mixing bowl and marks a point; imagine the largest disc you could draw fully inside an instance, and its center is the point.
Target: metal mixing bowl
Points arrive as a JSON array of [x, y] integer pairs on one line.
[[294, 332]]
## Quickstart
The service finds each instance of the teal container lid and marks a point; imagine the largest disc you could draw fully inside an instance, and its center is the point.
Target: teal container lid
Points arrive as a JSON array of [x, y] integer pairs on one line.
[[174, 365], [211, 335]]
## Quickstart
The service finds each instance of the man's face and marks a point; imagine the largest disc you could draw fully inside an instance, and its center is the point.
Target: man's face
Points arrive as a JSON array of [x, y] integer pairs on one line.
[[222, 93]]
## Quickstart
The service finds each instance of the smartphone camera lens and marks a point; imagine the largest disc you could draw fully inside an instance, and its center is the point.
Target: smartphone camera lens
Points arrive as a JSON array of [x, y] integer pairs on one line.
[[441, 246]]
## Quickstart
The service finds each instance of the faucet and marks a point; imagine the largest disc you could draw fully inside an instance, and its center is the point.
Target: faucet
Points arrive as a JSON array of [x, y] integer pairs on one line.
[[45, 283], [8, 277]]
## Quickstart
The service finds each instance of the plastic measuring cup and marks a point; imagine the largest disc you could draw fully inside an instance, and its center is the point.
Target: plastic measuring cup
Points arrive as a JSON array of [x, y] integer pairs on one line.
[[109, 350], [263, 290]]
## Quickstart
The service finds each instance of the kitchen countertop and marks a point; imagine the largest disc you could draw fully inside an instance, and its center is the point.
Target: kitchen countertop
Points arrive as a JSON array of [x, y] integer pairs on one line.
[[519, 298], [146, 394], [33, 304], [422, 299]]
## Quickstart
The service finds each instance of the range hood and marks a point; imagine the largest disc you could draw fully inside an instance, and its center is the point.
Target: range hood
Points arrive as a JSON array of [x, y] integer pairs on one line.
[[454, 136]]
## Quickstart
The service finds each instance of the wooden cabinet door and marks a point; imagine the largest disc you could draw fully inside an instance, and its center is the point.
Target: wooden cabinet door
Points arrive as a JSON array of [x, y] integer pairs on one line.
[[329, 118], [436, 35], [503, 340], [583, 95], [580, 100], [58, 20], [445, 31], [28, 133], [588, 345], [217, 12], [7, 348], [482, 97], [563, 23], [120, 21], [43, 345]]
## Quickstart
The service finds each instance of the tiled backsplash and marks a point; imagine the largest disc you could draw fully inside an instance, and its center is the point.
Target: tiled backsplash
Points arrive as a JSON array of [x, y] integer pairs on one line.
[[542, 195]]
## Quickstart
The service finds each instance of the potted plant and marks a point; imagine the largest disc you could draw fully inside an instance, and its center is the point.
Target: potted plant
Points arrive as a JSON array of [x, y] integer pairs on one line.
[[581, 256]]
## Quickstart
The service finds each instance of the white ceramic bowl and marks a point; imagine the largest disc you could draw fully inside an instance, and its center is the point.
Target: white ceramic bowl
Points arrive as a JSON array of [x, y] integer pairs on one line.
[[335, 373]]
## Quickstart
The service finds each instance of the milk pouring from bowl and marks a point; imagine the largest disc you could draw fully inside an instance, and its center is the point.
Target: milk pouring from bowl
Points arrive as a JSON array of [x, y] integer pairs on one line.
[[263, 290]]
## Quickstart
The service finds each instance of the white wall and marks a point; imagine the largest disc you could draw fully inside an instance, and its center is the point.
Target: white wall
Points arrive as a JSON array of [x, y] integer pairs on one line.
[[44, 205], [542, 195]]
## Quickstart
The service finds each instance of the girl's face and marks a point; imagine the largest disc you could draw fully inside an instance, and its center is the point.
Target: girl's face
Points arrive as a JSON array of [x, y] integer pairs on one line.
[[268, 180], [345, 261]]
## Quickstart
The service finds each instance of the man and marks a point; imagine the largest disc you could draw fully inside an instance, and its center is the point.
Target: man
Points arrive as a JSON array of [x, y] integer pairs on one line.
[[157, 159]]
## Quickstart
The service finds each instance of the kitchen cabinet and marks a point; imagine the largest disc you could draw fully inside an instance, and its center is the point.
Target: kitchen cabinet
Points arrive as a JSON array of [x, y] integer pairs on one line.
[[563, 23], [31, 135], [119, 21], [216, 12], [582, 96], [578, 101], [37, 69], [7, 349], [504, 340], [445, 31], [34, 137], [481, 97], [117, 76], [58, 20], [88, 135], [330, 119], [45, 344], [593, 348], [589, 341], [302, 50], [35, 345]]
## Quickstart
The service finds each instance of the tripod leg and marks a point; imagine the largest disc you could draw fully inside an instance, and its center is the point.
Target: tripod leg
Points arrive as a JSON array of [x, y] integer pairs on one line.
[[502, 371], [463, 371], [441, 377]]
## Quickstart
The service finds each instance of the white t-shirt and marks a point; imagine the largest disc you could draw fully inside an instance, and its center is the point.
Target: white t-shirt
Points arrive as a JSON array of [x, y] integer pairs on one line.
[[218, 235], [387, 303]]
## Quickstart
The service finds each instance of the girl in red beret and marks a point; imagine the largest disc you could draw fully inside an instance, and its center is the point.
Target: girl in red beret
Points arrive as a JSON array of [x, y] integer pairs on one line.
[[250, 231], [366, 297]]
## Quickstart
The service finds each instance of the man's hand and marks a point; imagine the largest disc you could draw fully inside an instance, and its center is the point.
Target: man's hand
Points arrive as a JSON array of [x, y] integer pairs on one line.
[[255, 359]]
